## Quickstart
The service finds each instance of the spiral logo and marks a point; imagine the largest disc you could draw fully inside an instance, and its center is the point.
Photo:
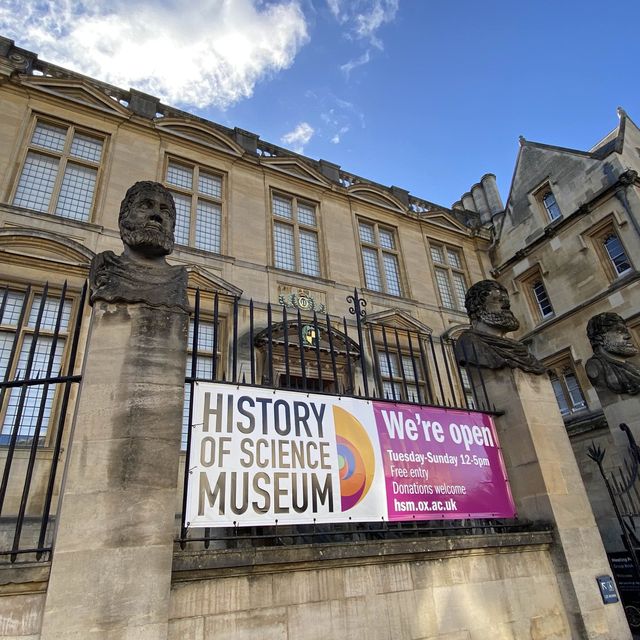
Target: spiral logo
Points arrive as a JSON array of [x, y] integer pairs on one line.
[[355, 458]]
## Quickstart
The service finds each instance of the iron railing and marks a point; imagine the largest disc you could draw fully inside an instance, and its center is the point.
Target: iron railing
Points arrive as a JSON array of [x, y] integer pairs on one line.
[[40, 334], [347, 356]]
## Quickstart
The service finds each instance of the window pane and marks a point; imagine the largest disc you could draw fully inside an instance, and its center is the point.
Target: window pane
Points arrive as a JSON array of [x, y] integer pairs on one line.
[[306, 215], [466, 386], [616, 253], [180, 176], [544, 303], [560, 397], [6, 343], [283, 247], [309, 258], [437, 255], [392, 274], [407, 366], [371, 269], [444, 288], [86, 147], [208, 226], [76, 193], [460, 287], [389, 360], [551, 206], [366, 233], [575, 393], [391, 390], [454, 258], [49, 313], [205, 337], [386, 239], [282, 207], [49, 136], [183, 218], [12, 308], [204, 366], [36, 182], [34, 395], [412, 393], [210, 185]]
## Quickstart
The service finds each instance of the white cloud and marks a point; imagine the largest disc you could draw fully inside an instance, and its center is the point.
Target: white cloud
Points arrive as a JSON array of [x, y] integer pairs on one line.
[[348, 67], [298, 137], [207, 53], [338, 136], [363, 18]]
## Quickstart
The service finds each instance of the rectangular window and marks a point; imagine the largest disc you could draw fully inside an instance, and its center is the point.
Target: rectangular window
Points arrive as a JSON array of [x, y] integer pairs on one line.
[[450, 276], [550, 205], [612, 252], [21, 358], [467, 388], [380, 259], [60, 171], [541, 298], [566, 386], [197, 193], [295, 235], [536, 293], [401, 384], [204, 366]]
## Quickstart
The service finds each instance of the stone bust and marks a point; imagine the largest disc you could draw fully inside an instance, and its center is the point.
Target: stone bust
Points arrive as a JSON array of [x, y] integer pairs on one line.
[[141, 273], [484, 345], [612, 347]]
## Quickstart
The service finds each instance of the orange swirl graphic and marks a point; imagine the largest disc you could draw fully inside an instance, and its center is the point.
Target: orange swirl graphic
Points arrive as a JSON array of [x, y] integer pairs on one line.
[[355, 456]]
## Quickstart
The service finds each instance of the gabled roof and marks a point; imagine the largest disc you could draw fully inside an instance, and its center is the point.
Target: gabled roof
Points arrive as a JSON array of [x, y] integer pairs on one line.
[[613, 142]]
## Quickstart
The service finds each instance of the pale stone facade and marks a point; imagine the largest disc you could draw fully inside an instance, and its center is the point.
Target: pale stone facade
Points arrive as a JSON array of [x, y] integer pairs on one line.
[[413, 269], [563, 262]]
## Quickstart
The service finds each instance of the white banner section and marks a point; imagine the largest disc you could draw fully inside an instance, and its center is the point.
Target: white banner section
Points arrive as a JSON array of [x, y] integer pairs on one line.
[[260, 457]]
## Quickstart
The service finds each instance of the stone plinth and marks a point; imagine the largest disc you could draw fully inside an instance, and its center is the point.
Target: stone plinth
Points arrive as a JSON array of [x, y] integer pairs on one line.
[[111, 569], [547, 486]]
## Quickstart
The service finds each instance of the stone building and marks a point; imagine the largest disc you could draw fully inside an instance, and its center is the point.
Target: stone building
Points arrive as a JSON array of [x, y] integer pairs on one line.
[[567, 248], [260, 230]]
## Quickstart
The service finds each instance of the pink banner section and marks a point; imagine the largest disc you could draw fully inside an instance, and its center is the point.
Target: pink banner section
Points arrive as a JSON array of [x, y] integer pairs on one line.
[[441, 464]]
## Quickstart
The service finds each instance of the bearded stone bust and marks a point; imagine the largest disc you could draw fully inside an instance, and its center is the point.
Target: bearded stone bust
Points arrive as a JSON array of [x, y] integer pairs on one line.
[[612, 348], [484, 345], [141, 273]]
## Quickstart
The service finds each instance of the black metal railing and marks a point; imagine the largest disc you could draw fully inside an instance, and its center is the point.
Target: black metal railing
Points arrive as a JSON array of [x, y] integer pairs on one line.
[[348, 356], [40, 334], [623, 488]]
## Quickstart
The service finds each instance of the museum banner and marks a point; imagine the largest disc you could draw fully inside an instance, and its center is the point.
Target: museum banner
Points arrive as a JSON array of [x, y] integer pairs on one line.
[[261, 457]]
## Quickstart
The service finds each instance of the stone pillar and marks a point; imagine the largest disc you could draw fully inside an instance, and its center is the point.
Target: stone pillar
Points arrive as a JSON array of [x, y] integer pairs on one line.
[[547, 486], [542, 469], [111, 569]]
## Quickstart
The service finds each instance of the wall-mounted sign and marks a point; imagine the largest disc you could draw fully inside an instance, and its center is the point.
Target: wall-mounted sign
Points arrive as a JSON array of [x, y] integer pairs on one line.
[[628, 583], [607, 589], [259, 457]]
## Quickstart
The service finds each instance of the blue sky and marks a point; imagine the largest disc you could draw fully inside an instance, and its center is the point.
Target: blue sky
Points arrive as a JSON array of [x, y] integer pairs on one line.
[[424, 95]]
